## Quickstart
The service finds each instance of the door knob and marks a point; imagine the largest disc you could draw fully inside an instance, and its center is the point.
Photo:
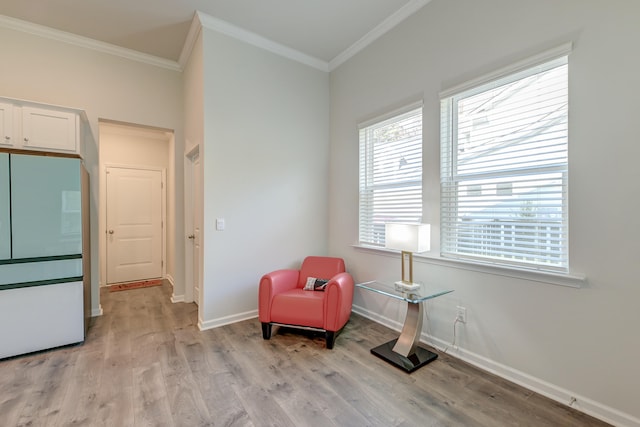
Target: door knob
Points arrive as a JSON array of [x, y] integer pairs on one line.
[[110, 231], [191, 236]]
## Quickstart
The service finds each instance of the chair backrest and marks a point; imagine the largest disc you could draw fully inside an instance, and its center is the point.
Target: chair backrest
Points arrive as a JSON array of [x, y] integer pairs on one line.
[[320, 267]]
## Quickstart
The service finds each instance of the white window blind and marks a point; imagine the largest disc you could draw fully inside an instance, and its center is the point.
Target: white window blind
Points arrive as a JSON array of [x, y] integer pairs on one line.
[[390, 173], [504, 164]]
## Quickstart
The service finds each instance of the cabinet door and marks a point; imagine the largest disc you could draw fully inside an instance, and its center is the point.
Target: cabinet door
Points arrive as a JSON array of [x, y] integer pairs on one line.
[[44, 129], [45, 206], [6, 124], [5, 231]]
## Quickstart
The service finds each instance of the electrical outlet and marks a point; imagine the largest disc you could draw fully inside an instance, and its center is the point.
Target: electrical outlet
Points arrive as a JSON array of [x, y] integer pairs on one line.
[[461, 314]]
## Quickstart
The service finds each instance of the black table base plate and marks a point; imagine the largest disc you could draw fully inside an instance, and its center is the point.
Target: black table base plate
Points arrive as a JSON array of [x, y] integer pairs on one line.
[[408, 364]]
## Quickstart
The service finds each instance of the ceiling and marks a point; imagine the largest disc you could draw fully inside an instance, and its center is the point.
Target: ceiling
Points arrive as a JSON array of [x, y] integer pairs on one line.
[[321, 29]]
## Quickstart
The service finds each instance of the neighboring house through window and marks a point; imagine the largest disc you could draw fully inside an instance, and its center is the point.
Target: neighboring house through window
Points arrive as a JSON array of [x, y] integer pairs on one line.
[[504, 166], [390, 172]]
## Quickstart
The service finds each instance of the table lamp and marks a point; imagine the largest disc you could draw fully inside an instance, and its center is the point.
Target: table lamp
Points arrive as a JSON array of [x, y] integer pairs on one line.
[[407, 238]]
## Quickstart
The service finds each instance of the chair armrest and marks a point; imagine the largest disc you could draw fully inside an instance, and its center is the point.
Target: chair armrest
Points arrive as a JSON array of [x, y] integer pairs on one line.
[[338, 301], [272, 284]]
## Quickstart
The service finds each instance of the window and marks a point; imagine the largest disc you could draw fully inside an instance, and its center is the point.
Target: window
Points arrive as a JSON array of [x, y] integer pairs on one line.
[[390, 173], [504, 169]]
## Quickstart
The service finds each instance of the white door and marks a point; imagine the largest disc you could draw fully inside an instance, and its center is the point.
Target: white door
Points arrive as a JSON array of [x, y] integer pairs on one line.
[[196, 220], [134, 224]]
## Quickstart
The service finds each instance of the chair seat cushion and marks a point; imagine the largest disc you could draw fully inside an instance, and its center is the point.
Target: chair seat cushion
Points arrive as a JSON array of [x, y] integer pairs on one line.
[[298, 307]]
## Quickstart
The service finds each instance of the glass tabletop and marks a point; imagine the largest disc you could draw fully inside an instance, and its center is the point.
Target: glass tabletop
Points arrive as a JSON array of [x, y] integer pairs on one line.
[[423, 293]]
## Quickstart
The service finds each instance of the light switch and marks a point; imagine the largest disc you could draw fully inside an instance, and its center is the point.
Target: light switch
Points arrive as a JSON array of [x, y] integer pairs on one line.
[[219, 224]]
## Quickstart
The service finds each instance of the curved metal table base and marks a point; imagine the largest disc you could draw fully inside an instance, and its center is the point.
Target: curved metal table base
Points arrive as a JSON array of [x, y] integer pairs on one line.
[[404, 352], [409, 364]]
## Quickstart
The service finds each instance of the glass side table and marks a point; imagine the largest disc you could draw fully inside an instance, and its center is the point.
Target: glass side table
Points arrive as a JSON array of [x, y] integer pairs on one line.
[[404, 351]]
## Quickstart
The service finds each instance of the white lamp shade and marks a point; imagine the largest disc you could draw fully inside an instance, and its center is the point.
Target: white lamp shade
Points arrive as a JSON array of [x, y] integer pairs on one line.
[[408, 237]]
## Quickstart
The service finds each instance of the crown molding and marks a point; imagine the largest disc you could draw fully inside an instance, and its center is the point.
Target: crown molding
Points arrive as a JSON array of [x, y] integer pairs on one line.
[[400, 15], [190, 40], [203, 20], [85, 42], [226, 28]]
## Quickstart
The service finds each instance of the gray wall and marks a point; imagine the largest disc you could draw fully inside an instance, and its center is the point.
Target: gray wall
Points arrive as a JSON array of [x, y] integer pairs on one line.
[[561, 341], [265, 171]]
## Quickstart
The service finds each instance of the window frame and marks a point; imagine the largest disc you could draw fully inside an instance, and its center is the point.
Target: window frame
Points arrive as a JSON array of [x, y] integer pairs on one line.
[[448, 123], [366, 176]]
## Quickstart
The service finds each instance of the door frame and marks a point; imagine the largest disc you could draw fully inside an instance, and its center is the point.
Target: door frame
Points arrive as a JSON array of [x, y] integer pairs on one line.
[[103, 217], [189, 225]]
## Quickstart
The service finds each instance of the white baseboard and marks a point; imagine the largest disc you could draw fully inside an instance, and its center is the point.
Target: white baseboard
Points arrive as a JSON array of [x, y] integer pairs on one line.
[[97, 311], [174, 298], [215, 323], [170, 280], [559, 394]]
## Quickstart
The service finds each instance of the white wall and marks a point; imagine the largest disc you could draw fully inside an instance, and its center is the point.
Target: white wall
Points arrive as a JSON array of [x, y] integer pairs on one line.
[[265, 167], [106, 87], [193, 97], [193, 76], [562, 341]]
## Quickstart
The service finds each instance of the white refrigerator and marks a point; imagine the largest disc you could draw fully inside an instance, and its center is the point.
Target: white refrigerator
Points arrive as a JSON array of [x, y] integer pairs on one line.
[[43, 291]]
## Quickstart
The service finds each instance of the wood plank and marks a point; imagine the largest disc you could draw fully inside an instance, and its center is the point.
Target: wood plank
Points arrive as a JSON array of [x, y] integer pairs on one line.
[[262, 408], [80, 402], [150, 396], [185, 399], [46, 392], [218, 390], [115, 398], [17, 377]]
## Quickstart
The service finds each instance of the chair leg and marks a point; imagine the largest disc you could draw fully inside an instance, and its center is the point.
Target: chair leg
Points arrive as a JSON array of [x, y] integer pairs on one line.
[[266, 330], [331, 339]]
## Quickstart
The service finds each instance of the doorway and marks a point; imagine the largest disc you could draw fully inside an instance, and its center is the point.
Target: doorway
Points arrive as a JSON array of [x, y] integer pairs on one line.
[[134, 163]]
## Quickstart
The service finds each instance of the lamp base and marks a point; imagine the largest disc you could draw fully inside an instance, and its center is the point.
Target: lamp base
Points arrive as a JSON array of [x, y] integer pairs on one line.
[[406, 286]]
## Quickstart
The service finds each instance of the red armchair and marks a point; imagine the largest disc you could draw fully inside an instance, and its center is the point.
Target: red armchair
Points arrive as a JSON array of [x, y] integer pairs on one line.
[[282, 299]]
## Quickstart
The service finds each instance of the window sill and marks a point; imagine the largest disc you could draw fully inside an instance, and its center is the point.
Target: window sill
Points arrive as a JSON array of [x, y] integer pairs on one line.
[[569, 280]]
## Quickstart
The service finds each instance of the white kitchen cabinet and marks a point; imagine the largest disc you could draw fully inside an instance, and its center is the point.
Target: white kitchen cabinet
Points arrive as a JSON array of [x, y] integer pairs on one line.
[[47, 129], [26, 125], [7, 138]]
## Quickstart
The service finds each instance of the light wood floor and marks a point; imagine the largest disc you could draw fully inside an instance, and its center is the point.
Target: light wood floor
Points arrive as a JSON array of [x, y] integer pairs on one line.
[[145, 363]]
